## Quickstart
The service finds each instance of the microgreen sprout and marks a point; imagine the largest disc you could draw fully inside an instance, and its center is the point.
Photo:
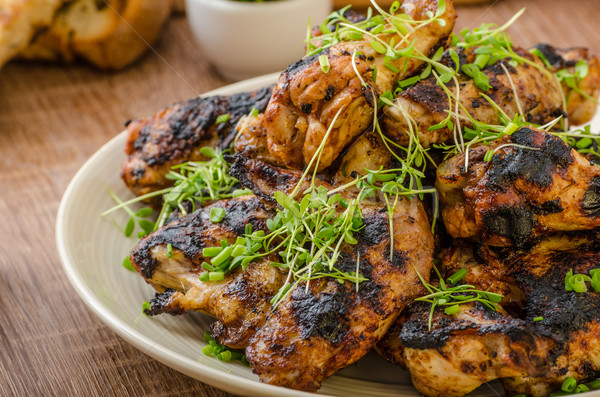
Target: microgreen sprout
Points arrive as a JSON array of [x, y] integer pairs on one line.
[[194, 182], [451, 296]]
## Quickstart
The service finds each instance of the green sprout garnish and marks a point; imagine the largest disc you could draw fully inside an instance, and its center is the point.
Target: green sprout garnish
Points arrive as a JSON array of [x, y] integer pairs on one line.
[[195, 182], [577, 282], [452, 296]]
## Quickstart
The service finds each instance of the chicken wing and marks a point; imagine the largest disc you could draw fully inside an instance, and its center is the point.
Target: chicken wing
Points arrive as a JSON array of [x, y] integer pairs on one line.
[[306, 99], [531, 91], [580, 109], [534, 183], [241, 301], [176, 135], [327, 325], [551, 333], [463, 351]]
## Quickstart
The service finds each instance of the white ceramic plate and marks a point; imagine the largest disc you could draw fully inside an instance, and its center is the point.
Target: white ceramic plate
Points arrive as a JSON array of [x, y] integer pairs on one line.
[[92, 248]]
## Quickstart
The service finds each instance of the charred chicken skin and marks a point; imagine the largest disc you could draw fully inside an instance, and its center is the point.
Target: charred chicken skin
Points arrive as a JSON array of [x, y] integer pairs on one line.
[[306, 100], [535, 183], [325, 326], [177, 133]]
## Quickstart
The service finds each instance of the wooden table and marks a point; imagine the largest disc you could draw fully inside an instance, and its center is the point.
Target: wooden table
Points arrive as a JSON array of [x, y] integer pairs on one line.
[[52, 118]]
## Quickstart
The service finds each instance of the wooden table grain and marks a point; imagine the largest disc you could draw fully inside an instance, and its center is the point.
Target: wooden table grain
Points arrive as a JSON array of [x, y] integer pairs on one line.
[[52, 118]]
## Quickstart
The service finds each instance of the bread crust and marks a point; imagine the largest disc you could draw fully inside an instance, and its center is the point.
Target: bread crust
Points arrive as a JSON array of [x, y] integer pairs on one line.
[[109, 35]]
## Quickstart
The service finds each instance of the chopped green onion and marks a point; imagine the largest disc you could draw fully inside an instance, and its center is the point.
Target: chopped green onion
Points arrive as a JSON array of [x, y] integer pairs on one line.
[[169, 250], [217, 214], [569, 384], [456, 277], [539, 318], [324, 62], [223, 118]]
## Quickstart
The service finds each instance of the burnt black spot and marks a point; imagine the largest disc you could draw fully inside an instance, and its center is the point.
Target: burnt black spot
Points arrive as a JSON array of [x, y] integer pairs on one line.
[[329, 93], [549, 207], [375, 231], [553, 56], [536, 162], [515, 223], [322, 315], [475, 104], [306, 108], [590, 204], [431, 96], [162, 303], [300, 65]]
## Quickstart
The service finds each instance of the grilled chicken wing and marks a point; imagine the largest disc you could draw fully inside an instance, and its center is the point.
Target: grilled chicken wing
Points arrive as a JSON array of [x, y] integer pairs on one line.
[[579, 108], [552, 333], [306, 99], [534, 183], [571, 320], [524, 89], [321, 328], [241, 301], [463, 351], [177, 133]]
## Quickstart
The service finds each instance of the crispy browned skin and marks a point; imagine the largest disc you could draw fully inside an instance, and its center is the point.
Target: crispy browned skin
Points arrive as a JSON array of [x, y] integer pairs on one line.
[[251, 138], [315, 332], [176, 135], [368, 152], [538, 97], [240, 302], [579, 108], [523, 192], [463, 351], [306, 100]]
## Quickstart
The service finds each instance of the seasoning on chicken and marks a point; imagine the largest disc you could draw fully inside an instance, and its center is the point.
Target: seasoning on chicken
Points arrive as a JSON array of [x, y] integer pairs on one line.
[[325, 326], [534, 183], [176, 135], [240, 301], [306, 99]]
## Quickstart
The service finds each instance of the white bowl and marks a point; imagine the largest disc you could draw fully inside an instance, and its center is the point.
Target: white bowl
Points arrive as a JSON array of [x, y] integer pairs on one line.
[[246, 39]]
